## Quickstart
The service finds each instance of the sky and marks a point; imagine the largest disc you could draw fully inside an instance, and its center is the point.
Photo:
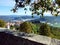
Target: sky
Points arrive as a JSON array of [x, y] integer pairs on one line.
[[7, 5]]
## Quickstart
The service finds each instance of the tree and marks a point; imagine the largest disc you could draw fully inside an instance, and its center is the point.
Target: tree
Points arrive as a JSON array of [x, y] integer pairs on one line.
[[44, 30], [2, 23], [38, 6], [58, 2], [26, 27]]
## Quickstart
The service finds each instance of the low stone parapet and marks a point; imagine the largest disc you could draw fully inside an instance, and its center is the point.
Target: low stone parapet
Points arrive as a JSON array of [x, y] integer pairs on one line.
[[9, 37]]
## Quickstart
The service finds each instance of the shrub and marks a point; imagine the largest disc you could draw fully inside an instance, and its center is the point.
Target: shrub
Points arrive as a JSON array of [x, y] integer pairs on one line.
[[11, 26], [16, 27], [26, 27], [2, 23], [44, 30], [34, 28]]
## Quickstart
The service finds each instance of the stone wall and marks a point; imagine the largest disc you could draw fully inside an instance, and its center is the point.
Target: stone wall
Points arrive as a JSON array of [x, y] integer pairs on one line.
[[9, 39]]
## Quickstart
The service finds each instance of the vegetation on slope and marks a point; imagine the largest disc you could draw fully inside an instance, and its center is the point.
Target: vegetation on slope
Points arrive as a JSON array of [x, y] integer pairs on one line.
[[2, 23], [26, 27], [44, 30], [56, 32], [41, 29]]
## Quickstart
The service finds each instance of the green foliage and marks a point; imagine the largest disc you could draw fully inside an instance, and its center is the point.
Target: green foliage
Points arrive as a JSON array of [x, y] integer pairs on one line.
[[43, 5], [2, 23], [26, 27], [44, 30], [56, 32], [53, 32], [29, 27], [41, 28], [17, 27], [34, 28], [58, 2], [11, 27]]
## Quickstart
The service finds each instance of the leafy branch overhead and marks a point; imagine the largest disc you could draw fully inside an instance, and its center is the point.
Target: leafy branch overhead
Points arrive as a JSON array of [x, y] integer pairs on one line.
[[38, 6]]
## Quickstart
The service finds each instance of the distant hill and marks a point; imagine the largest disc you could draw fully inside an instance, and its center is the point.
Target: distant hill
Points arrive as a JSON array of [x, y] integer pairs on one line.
[[51, 19], [15, 17]]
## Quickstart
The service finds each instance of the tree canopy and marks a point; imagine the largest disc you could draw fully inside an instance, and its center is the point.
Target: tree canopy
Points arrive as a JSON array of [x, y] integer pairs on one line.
[[38, 6]]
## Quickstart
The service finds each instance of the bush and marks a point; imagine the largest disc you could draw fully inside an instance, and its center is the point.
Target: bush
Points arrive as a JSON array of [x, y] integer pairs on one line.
[[11, 27], [26, 27], [58, 2], [44, 30], [34, 28], [16, 27], [2, 23]]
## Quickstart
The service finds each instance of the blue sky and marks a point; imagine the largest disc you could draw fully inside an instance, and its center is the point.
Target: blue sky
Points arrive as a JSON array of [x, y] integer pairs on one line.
[[7, 5]]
